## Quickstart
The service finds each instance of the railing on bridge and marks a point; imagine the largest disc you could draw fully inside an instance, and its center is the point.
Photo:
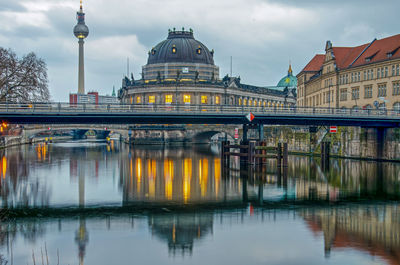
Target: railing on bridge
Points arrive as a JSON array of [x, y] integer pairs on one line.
[[65, 108]]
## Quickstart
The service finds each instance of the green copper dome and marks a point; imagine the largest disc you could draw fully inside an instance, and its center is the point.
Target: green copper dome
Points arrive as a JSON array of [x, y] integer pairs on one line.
[[289, 81]]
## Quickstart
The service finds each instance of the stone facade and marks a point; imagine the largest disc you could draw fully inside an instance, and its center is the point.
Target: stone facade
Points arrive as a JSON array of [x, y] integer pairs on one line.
[[366, 76]]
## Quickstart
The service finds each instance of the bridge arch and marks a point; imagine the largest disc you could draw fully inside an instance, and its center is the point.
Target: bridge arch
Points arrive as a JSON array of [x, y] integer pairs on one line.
[[205, 136]]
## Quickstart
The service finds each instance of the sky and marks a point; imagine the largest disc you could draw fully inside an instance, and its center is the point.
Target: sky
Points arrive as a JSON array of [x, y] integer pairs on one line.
[[262, 36]]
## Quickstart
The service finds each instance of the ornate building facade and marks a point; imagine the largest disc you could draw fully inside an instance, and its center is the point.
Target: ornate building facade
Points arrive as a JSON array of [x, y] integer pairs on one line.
[[365, 76], [181, 70]]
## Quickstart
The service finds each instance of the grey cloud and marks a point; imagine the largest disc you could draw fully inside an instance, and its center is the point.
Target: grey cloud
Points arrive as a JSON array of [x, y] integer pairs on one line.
[[261, 46]]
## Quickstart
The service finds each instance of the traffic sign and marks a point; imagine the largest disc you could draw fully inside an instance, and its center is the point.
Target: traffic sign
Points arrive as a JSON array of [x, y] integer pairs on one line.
[[250, 117], [333, 129], [236, 133]]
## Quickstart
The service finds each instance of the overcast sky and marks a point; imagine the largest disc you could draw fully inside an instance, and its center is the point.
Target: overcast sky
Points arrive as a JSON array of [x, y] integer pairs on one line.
[[261, 35]]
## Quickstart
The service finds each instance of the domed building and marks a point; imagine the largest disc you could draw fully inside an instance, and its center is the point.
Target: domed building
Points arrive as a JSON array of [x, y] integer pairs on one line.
[[288, 81], [181, 70]]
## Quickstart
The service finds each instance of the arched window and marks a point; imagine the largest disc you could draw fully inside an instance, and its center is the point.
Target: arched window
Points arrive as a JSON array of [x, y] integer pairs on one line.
[[240, 102], [396, 106], [173, 48]]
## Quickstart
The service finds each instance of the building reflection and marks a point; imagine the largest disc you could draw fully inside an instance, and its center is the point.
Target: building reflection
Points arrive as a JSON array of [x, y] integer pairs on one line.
[[176, 176], [374, 229], [180, 231]]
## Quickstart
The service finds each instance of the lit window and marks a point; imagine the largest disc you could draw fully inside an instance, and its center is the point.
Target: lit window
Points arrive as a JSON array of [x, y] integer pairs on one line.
[[203, 99], [269, 104], [255, 103], [173, 49], [186, 99], [217, 100], [168, 99], [240, 102], [138, 100], [152, 99], [198, 50], [131, 99], [245, 102], [250, 102]]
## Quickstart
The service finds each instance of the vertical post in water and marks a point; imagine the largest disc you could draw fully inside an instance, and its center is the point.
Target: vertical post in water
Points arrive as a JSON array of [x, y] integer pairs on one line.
[[279, 155]]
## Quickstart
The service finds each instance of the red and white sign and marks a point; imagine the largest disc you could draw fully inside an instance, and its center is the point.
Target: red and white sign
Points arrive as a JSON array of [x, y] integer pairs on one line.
[[333, 129], [236, 133], [250, 117]]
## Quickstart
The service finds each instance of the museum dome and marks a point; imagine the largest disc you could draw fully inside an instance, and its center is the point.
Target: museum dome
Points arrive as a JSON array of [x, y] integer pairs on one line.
[[180, 47], [289, 80]]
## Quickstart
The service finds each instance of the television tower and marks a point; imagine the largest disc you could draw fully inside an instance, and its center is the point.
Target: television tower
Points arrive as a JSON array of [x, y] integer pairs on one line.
[[81, 31]]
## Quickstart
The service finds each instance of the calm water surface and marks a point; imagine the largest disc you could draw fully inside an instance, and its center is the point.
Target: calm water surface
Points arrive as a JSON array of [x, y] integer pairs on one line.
[[180, 206]]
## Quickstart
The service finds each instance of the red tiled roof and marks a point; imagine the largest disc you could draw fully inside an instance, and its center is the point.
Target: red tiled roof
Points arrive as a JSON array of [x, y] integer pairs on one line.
[[380, 48], [347, 57], [315, 64]]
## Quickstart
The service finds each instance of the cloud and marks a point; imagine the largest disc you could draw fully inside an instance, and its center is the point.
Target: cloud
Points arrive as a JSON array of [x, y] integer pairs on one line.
[[261, 35]]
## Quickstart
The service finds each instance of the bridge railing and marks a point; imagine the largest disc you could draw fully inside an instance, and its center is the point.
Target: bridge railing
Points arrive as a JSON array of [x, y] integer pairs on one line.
[[57, 108]]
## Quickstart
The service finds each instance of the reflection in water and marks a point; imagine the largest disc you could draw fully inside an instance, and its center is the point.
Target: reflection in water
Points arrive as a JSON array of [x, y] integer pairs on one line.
[[87, 174], [371, 228], [58, 174], [355, 232]]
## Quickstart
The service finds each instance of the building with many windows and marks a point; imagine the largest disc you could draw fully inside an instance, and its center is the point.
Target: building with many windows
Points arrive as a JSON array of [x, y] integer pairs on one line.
[[181, 70], [365, 76]]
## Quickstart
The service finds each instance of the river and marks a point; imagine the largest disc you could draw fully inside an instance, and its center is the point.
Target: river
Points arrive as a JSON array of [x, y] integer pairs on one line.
[[92, 202]]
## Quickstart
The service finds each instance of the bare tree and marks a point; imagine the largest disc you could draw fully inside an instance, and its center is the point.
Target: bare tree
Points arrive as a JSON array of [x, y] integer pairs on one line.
[[22, 79]]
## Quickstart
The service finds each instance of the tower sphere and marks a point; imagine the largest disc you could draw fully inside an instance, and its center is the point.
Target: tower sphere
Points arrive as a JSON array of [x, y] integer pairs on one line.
[[81, 31]]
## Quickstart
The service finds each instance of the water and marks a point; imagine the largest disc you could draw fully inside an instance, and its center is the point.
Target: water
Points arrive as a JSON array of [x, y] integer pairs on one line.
[[98, 203]]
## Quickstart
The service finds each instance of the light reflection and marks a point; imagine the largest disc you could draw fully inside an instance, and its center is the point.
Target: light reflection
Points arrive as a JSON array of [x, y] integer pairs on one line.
[[217, 175], [152, 169], [187, 176], [203, 176], [168, 177], [4, 166], [138, 174]]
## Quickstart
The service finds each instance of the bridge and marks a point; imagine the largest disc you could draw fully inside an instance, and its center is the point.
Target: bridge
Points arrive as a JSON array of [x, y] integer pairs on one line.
[[66, 113]]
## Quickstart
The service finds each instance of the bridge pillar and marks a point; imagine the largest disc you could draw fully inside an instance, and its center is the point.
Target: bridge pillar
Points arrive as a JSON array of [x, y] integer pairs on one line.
[[380, 142], [245, 130]]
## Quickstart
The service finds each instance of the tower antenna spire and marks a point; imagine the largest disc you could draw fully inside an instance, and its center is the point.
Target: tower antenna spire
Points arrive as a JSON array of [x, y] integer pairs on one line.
[[81, 4]]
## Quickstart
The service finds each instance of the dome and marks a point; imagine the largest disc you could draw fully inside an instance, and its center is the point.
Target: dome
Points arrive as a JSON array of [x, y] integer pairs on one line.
[[289, 81], [180, 47]]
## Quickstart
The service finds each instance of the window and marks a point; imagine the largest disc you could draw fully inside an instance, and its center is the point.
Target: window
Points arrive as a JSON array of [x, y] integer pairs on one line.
[[250, 102], [393, 70], [245, 102], [386, 71], [255, 103], [265, 103], [138, 100], [198, 51], [368, 91], [396, 88], [240, 102], [355, 93], [173, 49], [168, 99], [378, 73], [217, 100], [398, 69], [343, 94], [382, 90], [152, 99], [203, 99], [352, 77], [365, 75], [396, 106], [186, 99], [131, 100], [359, 76]]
